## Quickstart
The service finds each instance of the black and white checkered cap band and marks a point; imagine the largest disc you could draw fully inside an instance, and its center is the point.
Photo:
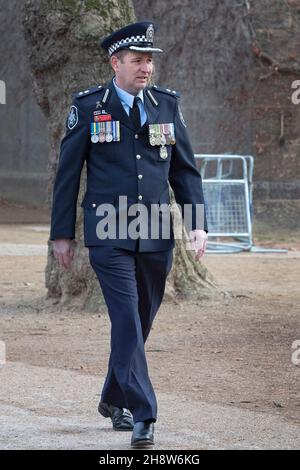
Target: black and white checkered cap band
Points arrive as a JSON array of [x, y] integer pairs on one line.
[[127, 41]]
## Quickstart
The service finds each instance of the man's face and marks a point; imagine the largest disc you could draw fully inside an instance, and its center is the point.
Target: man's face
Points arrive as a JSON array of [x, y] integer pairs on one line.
[[134, 71]]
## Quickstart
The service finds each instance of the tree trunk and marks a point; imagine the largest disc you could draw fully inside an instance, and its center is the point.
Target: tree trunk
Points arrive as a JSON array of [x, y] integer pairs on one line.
[[64, 53]]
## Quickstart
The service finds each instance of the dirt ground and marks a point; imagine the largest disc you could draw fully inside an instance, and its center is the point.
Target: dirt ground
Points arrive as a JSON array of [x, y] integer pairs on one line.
[[235, 351]]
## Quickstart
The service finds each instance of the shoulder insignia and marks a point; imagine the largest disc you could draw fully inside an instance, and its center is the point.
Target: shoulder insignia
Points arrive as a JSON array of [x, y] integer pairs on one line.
[[166, 90], [90, 91], [72, 120]]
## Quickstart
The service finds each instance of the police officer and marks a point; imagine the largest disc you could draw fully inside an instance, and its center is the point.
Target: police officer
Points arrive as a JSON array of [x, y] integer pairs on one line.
[[134, 139]]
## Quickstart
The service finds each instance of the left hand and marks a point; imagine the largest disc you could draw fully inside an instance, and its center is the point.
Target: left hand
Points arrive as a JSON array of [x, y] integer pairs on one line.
[[198, 239]]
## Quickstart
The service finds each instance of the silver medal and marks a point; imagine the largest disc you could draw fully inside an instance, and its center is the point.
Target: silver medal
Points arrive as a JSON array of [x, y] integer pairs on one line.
[[151, 134], [162, 139], [95, 138], [163, 152], [152, 140]]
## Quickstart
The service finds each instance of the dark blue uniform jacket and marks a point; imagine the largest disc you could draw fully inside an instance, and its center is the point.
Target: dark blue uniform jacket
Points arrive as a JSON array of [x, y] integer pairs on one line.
[[131, 167]]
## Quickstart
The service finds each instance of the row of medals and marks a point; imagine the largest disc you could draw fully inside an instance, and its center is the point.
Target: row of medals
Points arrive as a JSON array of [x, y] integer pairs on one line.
[[162, 135], [106, 131]]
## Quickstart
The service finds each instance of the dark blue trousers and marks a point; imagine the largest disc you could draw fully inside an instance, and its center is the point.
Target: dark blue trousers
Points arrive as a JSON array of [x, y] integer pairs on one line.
[[133, 285]]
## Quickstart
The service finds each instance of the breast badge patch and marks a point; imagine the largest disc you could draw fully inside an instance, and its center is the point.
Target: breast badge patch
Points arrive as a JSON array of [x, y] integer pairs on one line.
[[72, 118]]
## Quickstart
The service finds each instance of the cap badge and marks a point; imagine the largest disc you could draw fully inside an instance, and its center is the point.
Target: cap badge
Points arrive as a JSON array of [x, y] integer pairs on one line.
[[150, 33]]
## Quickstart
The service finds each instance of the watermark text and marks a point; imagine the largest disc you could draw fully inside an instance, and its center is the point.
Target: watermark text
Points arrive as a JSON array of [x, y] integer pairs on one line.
[[296, 93], [2, 92]]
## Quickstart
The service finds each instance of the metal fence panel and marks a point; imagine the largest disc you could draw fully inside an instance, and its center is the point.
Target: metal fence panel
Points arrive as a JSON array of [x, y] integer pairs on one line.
[[226, 208]]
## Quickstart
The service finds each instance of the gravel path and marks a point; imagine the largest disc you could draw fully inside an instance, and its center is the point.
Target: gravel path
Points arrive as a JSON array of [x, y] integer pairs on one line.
[[49, 408]]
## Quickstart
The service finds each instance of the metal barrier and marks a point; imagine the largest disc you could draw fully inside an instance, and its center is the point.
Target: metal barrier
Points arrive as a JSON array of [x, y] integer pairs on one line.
[[227, 185]]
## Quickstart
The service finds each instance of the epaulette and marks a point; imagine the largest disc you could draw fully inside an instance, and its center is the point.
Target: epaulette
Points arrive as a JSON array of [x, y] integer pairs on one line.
[[90, 91], [166, 90]]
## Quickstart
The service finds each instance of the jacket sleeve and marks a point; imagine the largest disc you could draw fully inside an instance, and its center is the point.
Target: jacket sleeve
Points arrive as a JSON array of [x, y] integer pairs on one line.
[[185, 178], [73, 152]]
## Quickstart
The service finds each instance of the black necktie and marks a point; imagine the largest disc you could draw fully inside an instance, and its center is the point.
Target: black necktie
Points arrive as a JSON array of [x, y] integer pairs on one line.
[[134, 114]]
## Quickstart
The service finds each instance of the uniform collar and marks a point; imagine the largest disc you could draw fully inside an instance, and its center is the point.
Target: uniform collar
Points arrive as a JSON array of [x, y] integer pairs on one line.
[[114, 107], [126, 97]]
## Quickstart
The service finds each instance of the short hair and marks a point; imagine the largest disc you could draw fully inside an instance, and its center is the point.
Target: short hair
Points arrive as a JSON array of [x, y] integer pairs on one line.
[[121, 54]]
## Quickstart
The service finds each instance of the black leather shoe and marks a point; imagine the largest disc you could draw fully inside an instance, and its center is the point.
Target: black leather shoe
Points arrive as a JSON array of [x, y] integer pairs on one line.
[[121, 418], [143, 434]]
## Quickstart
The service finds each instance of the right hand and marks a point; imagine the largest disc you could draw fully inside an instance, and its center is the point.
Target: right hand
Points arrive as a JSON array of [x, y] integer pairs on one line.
[[63, 251]]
